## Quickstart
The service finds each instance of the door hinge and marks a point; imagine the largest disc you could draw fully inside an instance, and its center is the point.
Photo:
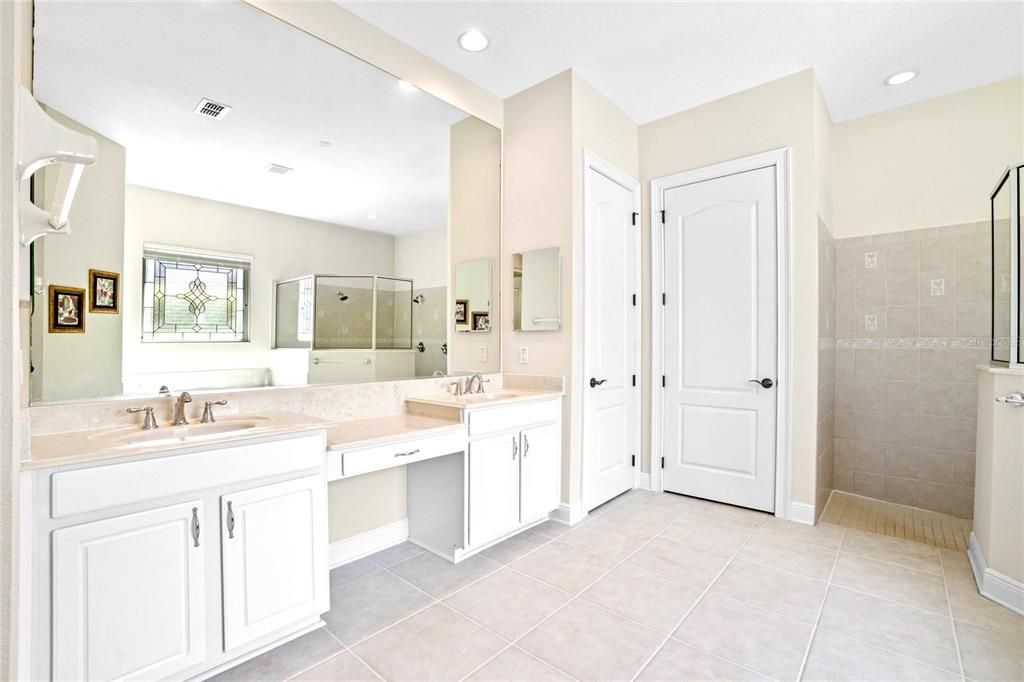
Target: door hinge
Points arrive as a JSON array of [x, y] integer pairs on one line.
[[662, 462], [663, 381], [634, 380], [662, 216], [635, 215], [663, 298], [634, 460]]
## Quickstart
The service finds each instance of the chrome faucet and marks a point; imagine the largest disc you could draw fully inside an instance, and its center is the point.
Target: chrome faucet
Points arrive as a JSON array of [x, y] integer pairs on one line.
[[456, 387], [480, 381], [208, 410], [179, 409], [149, 423]]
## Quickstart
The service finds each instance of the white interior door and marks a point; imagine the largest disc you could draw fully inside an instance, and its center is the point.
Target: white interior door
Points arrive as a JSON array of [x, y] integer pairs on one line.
[[611, 326], [720, 338]]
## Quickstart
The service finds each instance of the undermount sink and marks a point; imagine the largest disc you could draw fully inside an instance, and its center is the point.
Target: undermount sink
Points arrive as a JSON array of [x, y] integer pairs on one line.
[[484, 397], [176, 435]]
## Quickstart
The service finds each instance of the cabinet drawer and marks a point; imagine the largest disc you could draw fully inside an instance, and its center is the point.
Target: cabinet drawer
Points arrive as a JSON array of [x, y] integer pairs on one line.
[[396, 453], [104, 487], [509, 417]]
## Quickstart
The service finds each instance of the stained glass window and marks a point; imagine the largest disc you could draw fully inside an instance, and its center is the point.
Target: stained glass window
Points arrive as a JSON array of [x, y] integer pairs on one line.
[[194, 298]]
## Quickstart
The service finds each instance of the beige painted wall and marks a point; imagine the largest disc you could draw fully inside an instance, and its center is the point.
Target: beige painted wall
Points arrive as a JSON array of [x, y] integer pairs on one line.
[[423, 257], [928, 164], [777, 114], [281, 247], [474, 211], [69, 366]]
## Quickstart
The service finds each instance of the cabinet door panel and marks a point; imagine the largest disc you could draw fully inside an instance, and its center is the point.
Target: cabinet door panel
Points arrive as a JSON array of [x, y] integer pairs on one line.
[[493, 487], [275, 557], [129, 595], [541, 465]]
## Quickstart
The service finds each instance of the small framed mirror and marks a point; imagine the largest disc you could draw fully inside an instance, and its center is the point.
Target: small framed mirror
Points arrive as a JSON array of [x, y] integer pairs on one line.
[[472, 307], [536, 290]]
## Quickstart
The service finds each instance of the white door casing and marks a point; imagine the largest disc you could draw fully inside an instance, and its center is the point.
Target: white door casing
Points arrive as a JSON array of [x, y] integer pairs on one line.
[[275, 559], [129, 595], [610, 434], [719, 257]]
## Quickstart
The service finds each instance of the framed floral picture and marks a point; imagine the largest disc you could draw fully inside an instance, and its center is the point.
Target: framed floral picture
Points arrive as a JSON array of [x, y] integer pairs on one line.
[[104, 291], [481, 321], [67, 310], [461, 311]]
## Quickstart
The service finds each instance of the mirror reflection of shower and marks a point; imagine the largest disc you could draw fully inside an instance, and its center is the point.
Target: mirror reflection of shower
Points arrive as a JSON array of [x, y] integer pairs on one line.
[[342, 296], [418, 298]]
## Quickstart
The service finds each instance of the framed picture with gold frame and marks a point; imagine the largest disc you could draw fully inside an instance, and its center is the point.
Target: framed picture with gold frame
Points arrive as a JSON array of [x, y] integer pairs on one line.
[[67, 310], [104, 292]]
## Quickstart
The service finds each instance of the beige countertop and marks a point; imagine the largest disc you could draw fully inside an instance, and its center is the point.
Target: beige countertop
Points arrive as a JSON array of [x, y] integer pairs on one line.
[[477, 400], [364, 432], [75, 447]]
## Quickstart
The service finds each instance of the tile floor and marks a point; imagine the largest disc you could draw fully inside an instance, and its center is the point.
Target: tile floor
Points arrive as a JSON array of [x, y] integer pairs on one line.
[[659, 587], [897, 520]]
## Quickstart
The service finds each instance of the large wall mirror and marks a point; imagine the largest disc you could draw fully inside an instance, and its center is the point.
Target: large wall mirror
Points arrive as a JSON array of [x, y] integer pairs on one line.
[[266, 210]]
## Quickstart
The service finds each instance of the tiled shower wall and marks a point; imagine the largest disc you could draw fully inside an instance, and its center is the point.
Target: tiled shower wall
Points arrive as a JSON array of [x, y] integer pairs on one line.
[[913, 318], [826, 364]]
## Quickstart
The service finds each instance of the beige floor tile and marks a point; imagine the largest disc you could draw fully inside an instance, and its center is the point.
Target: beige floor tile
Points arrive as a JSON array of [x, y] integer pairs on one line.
[[647, 518], [707, 534], [507, 551], [691, 565], [664, 500], [969, 606], [752, 637], [955, 563], [989, 655], [647, 597], [728, 514], [924, 636], [515, 665], [508, 603], [680, 661], [397, 554], [552, 529], [435, 644], [602, 536], [837, 657], [894, 550], [362, 607], [809, 560], [343, 666], [782, 592], [892, 581], [566, 567], [352, 570], [589, 643], [286, 660], [438, 577], [823, 534]]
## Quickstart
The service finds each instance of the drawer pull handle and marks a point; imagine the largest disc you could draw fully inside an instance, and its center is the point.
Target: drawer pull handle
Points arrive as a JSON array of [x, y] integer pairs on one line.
[[526, 445], [408, 454], [515, 447], [231, 522], [195, 526]]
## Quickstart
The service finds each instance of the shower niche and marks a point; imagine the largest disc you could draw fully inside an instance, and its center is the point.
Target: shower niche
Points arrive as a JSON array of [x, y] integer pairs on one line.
[[343, 329], [1007, 222]]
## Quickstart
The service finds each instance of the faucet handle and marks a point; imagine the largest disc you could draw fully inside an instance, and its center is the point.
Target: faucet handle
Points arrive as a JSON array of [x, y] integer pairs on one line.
[[480, 384], [208, 410], [456, 387], [149, 422]]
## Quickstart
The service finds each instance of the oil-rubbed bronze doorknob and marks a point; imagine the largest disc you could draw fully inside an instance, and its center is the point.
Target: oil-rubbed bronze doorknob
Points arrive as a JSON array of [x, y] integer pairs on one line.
[[594, 383], [765, 383]]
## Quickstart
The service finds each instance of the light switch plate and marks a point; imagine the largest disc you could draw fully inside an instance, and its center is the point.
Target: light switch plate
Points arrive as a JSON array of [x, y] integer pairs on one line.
[[483, 353], [524, 355]]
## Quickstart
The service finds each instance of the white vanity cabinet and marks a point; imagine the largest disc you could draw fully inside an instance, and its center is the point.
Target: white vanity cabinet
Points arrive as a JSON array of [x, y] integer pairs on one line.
[[170, 566], [493, 487]]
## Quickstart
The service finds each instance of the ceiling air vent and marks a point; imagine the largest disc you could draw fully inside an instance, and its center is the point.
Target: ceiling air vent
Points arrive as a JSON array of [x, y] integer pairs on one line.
[[277, 169], [211, 109]]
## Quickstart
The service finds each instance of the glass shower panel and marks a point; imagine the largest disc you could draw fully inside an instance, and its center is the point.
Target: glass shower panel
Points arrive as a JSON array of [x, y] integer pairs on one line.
[[1020, 265], [294, 314], [394, 313], [1001, 272], [343, 312]]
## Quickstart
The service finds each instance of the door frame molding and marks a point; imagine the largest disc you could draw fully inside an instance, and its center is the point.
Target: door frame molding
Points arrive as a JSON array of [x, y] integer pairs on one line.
[[591, 161], [779, 158]]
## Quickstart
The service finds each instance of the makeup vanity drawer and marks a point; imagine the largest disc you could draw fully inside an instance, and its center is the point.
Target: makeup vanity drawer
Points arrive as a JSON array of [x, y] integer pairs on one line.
[[346, 463]]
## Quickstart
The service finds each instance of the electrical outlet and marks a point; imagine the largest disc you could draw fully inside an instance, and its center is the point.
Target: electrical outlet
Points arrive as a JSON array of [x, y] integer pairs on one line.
[[524, 355], [483, 353]]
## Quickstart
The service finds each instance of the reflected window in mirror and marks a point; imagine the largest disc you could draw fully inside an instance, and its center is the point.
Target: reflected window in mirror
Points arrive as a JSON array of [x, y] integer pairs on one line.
[[191, 297], [536, 290]]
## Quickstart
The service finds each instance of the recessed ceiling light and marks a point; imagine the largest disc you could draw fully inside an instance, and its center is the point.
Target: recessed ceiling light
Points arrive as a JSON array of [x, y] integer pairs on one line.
[[372, 216], [406, 86], [901, 77], [325, 143], [473, 41]]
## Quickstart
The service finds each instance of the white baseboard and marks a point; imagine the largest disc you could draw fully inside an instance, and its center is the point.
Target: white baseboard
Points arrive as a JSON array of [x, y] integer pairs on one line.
[[365, 544], [568, 514], [801, 513], [993, 585], [644, 480]]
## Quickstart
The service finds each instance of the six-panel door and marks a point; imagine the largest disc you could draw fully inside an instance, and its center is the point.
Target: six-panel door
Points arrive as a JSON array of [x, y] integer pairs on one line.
[[274, 555], [539, 467], [129, 595], [493, 487]]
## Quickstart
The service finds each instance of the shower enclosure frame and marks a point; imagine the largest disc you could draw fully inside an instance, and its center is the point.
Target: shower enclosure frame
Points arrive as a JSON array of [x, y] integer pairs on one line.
[[1013, 176], [373, 310]]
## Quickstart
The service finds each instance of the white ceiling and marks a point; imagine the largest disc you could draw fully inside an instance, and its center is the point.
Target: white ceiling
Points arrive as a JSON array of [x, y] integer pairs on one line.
[[655, 59], [134, 72]]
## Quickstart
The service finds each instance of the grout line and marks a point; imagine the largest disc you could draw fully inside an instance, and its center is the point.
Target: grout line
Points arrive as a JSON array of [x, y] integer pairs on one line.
[[821, 609], [952, 620]]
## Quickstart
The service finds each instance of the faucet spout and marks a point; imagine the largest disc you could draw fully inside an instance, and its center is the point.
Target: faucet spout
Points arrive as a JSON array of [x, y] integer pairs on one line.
[[179, 409]]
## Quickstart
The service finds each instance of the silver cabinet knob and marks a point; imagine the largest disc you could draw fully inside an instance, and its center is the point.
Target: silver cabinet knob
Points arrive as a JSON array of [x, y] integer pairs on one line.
[[1013, 400]]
